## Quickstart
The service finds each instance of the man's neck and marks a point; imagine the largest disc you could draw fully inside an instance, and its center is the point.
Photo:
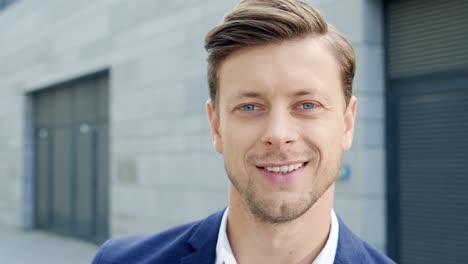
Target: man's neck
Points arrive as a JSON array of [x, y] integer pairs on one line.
[[298, 241]]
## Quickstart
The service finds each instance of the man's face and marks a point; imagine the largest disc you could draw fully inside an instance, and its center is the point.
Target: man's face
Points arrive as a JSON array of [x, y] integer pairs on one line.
[[282, 125]]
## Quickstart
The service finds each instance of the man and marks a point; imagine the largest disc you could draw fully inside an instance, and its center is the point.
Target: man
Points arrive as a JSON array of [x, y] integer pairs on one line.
[[281, 113]]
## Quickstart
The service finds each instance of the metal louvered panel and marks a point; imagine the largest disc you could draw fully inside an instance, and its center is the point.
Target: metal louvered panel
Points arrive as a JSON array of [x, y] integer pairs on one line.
[[433, 159], [427, 70], [427, 36]]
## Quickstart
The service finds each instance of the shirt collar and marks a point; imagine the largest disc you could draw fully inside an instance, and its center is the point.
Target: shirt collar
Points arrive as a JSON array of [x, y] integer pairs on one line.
[[327, 255], [224, 253]]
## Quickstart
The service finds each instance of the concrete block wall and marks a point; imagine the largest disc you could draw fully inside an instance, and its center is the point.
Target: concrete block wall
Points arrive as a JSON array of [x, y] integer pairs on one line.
[[163, 168]]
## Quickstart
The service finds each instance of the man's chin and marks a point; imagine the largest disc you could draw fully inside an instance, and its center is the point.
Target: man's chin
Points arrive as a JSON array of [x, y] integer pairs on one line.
[[278, 211]]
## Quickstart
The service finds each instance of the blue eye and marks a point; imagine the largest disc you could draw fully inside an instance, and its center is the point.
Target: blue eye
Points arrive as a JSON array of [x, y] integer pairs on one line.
[[249, 107], [308, 105]]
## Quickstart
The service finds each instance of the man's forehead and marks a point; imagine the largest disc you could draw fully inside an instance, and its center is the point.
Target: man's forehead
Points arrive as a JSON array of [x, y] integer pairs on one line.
[[291, 69], [293, 58]]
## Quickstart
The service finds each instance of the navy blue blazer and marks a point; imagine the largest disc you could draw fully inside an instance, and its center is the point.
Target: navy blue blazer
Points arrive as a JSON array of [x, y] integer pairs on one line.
[[195, 243]]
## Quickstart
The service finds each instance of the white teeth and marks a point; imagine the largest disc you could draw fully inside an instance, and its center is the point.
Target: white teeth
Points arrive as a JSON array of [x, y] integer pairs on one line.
[[285, 168]]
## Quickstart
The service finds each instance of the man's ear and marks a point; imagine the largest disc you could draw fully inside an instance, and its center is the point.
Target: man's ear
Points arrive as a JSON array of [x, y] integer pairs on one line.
[[214, 123], [349, 119]]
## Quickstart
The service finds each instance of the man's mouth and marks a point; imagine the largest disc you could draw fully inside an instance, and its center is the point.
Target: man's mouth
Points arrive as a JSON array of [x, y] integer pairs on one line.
[[284, 169]]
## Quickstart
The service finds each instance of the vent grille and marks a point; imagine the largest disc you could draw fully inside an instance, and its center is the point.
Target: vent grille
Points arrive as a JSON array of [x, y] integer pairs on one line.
[[427, 37]]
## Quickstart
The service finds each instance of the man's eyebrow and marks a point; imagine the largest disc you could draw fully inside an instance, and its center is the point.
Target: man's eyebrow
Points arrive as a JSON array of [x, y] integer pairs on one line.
[[249, 94], [312, 92], [254, 94]]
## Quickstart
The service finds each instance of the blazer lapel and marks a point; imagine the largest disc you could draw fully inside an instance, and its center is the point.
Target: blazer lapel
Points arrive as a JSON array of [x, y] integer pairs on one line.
[[349, 248], [203, 241]]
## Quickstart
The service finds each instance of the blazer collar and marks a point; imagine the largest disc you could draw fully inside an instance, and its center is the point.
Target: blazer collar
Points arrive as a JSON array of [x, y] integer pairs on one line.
[[205, 235], [203, 240], [350, 248]]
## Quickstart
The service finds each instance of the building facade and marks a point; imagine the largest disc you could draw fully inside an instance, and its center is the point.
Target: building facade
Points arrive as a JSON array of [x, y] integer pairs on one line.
[[103, 131]]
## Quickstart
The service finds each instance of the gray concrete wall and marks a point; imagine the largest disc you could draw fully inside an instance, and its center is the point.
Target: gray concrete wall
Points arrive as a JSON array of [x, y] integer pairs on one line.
[[163, 168]]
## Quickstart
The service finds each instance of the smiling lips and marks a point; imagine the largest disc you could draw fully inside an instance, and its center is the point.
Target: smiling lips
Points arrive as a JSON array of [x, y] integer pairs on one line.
[[285, 168], [282, 174]]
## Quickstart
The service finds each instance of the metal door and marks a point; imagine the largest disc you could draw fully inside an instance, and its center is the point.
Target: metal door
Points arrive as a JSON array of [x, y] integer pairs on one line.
[[427, 71], [71, 158], [429, 171]]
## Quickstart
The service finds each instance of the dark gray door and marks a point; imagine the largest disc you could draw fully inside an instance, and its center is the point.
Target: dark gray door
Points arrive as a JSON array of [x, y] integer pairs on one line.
[[430, 171], [427, 73], [71, 158]]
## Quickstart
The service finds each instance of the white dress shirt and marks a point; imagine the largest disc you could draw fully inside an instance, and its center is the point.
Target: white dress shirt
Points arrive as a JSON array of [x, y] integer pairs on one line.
[[224, 253]]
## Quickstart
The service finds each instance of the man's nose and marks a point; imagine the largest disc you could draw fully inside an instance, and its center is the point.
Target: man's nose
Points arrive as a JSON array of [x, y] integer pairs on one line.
[[280, 128]]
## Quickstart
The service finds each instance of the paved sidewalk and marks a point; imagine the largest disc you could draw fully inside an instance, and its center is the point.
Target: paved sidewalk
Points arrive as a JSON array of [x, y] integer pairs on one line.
[[35, 247]]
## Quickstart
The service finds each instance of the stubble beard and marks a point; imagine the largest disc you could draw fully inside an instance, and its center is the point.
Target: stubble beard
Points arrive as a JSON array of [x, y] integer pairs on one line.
[[265, 212]]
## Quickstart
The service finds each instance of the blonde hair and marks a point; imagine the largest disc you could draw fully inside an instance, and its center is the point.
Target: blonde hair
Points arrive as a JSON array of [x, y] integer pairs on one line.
[[262, 22]]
